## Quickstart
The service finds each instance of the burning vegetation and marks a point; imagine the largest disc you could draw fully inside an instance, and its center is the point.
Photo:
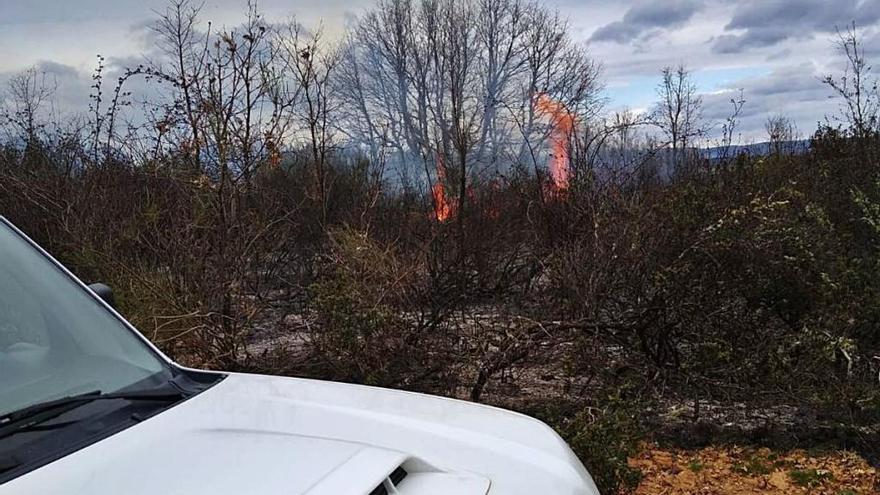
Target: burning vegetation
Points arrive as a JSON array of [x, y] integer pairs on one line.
[[443, 206], [296, 227], [562, 125]]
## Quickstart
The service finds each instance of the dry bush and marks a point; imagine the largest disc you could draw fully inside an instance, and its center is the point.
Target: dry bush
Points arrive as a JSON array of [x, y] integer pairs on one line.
[[371, 327]]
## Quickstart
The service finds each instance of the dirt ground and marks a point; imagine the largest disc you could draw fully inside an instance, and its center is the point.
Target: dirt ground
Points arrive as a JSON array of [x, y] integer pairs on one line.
[[715, 470], [739, 471]]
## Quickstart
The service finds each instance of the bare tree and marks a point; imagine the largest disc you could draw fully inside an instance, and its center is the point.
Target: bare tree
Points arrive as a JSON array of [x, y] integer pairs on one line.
[[564, 84], [453, 85], [228, 114], [678, 114], [616, 148], [27, 95], [230, 108], [502, 24], [781, 132], [728, 128], [858, 89], [311, 64], [186, 52]]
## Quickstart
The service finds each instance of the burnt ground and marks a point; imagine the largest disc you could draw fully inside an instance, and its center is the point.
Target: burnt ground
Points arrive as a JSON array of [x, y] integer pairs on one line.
[[720, 450]]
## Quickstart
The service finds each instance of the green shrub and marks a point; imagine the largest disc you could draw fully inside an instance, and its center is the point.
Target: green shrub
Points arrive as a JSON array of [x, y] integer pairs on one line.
[[809, 477], [604, 440]]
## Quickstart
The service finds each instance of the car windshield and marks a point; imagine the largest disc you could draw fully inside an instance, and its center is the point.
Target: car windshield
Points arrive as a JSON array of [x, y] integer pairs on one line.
[[56, 339]]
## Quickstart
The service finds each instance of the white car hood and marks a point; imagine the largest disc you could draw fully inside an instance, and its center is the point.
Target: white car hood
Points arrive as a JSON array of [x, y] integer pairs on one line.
[[271, 436]]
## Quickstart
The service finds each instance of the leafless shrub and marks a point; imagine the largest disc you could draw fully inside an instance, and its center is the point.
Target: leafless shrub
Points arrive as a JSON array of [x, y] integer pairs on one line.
[[856, 86]]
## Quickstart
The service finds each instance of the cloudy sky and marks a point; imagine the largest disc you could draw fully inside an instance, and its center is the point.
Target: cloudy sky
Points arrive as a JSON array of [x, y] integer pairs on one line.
[[775, 51]]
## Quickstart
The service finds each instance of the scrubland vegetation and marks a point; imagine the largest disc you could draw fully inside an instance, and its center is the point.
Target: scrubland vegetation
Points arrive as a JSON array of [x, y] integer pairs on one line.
[[439, 202]]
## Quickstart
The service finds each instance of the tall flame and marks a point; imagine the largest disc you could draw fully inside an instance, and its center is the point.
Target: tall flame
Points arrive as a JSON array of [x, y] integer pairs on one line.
[[563, 123], [443, 209]]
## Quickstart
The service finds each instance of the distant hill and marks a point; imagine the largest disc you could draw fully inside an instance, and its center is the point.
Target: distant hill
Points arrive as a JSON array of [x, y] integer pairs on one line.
[[756, 149]]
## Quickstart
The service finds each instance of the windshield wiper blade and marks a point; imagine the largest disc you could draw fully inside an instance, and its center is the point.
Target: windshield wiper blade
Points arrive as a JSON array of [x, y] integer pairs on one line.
[[40, 407], [43, 411]]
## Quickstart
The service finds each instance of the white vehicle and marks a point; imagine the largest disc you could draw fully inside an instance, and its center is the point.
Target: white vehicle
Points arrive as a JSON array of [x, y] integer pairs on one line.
[[89, 406]]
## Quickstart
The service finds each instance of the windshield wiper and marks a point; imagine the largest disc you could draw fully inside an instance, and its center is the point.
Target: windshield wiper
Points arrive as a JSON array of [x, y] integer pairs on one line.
[[37, 413], [35, 409]]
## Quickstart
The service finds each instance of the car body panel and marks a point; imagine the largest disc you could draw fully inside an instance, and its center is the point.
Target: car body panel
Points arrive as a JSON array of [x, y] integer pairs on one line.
[[273, 435]]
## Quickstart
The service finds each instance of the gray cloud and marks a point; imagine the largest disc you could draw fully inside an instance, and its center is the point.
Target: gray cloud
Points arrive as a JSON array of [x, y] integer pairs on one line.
[[44, 11], [768, 22], [793, 90], [871, 44], [647, 19], [70, 89], [785, 40]]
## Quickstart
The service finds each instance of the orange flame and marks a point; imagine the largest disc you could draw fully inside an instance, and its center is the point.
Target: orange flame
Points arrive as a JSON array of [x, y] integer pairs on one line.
[[443, 209], [563, 124]]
